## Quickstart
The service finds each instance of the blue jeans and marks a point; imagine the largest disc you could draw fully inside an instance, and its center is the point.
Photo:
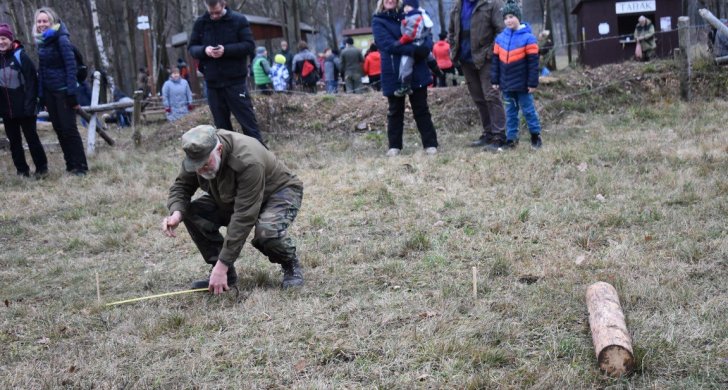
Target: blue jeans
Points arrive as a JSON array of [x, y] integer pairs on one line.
[[332, 86], [523, 101]]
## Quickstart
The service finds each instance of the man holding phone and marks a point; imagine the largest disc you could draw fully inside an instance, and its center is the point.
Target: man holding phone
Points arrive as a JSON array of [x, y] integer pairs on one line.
[[223, 42]]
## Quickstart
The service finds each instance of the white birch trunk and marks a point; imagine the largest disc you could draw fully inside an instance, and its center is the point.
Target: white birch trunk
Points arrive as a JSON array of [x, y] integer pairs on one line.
[[105, 65], [354, 13]]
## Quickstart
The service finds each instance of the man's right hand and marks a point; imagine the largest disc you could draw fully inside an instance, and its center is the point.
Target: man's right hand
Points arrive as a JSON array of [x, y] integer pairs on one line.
[[170, 223]]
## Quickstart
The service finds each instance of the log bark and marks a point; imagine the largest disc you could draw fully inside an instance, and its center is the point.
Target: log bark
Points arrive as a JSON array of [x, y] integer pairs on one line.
[[612, 342]]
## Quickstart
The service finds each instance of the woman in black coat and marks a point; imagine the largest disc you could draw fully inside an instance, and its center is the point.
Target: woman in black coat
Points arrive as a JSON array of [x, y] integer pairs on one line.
[[18, 103], [58, 84], [386, 29]]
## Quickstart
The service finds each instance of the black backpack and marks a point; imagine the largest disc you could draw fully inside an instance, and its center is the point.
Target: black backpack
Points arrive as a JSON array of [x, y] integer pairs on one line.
[[81, 68]]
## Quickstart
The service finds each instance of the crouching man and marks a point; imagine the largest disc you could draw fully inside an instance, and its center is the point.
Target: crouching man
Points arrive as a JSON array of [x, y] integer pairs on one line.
[[245, 185]]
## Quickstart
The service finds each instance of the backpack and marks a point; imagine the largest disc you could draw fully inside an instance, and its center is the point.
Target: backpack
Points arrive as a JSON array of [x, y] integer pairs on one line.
[[81, 68], [309, 75]]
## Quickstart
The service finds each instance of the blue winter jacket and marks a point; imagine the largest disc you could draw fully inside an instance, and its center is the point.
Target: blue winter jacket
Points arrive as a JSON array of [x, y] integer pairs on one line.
[[515, 60], [386, 28], [56, 62]]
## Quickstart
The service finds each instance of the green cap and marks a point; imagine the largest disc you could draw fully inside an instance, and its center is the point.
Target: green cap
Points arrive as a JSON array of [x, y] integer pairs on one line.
[[198, 143]]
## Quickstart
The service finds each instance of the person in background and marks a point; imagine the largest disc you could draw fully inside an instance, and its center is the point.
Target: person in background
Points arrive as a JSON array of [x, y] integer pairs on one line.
[[471, 32], [142, 82], [285, 52], [373, 67], [176, 97], [515, 74], [261, 71], [306, 68], [332, 66], [644, 34], [223, 42], [441, 52], [245, 187], [18, 104], [58, 85], [386, 24], [546, 57], [279, 74], [351, 64], [183, 70]]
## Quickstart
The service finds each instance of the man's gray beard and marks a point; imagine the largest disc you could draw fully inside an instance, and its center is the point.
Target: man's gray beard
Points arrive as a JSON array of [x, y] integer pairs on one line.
[[208, 176]]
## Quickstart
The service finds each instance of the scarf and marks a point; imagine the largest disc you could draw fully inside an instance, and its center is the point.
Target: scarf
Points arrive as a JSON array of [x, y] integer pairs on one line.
[[41, 38]]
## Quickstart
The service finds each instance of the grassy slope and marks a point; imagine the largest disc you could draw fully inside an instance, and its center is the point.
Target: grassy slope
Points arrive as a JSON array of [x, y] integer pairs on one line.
[[388, 246]]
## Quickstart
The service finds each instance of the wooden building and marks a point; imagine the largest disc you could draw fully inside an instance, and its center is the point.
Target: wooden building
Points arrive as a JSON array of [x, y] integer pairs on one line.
[[266, 30], [605, 28]]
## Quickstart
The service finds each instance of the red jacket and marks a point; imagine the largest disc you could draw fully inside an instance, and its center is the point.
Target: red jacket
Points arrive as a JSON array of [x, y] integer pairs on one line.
[[441, 51], [373, 64]]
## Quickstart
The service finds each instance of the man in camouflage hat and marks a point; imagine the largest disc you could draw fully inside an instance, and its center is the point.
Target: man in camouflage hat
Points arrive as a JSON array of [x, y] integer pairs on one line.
[[246, 186]]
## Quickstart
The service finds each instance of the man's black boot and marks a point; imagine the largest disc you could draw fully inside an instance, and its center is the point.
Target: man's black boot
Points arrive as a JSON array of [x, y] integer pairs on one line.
[[232, 279], [480, 142], [292, 274]]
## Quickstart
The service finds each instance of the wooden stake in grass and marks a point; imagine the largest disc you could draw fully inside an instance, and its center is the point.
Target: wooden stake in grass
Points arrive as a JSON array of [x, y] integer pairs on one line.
[[475, 282], [612, 342], [98, 289]]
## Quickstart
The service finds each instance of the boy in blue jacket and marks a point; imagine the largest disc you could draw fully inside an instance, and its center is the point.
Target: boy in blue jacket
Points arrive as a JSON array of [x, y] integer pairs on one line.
[[515, 73]]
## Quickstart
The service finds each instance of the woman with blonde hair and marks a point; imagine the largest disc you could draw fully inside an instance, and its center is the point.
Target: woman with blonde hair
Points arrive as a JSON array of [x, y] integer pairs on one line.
[[58, 85], [387, 33]]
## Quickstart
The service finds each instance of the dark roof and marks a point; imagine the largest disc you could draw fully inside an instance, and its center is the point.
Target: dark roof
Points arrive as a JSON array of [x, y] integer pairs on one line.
[[264, 20], [578, 5], [356, 31]]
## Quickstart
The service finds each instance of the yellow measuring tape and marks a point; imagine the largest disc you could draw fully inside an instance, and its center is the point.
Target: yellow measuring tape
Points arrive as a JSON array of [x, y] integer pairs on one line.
[[156, 296]]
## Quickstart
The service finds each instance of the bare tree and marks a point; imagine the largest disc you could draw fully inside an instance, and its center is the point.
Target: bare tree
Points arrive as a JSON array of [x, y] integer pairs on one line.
[[105, 64]]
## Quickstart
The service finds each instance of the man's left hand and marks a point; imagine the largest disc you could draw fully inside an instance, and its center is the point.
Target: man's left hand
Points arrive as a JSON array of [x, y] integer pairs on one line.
[[218, 279]]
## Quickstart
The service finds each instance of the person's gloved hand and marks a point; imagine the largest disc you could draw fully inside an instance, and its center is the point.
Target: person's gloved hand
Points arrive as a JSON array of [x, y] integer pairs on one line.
[[168, 109], [72, 102], [41, 104], [421, 53], [190, 107]]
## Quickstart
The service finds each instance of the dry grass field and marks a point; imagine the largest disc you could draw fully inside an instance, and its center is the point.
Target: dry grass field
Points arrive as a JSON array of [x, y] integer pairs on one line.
[[636, 196]]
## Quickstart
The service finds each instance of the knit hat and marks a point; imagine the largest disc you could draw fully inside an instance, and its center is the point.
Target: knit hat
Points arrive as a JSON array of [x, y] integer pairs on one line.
[[511, 8], [280, 59], [260, 50], [6, 31], [412, 3]]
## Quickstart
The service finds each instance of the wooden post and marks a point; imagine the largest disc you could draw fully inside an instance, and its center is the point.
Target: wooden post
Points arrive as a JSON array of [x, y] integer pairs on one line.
[[91, 133], [136, 132], [612, 342], [683, 27], [475, 282]]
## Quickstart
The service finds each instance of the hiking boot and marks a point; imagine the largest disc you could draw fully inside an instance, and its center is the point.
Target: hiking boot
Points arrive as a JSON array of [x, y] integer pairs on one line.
[[431, 150], [393, 152], [292, 274], [536, 141], [479, 143], [510, 144], [495, 146], [232, 279], [400, 92]]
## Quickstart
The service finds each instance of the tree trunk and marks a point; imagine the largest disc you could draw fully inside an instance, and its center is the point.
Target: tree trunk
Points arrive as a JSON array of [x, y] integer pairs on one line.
[[332, 26], [441, 15], [612, 343], [354, 13], [105, 64], [567, 25], [292, 22]]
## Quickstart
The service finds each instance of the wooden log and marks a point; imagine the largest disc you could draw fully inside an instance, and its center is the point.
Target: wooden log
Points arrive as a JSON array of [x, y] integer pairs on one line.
[[721, 60], [136, 116], [713, 21], [683, 26], [612, 342]]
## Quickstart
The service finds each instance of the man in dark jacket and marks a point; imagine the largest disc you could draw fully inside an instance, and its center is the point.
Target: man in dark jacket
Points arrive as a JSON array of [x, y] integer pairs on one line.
[[351, 63], [18, 103], [223, 42], [473, 27], [246, 186]]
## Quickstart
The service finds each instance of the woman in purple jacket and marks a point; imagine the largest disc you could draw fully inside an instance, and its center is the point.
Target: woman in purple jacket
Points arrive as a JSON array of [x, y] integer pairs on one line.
[[386, 28], [58, 84]]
